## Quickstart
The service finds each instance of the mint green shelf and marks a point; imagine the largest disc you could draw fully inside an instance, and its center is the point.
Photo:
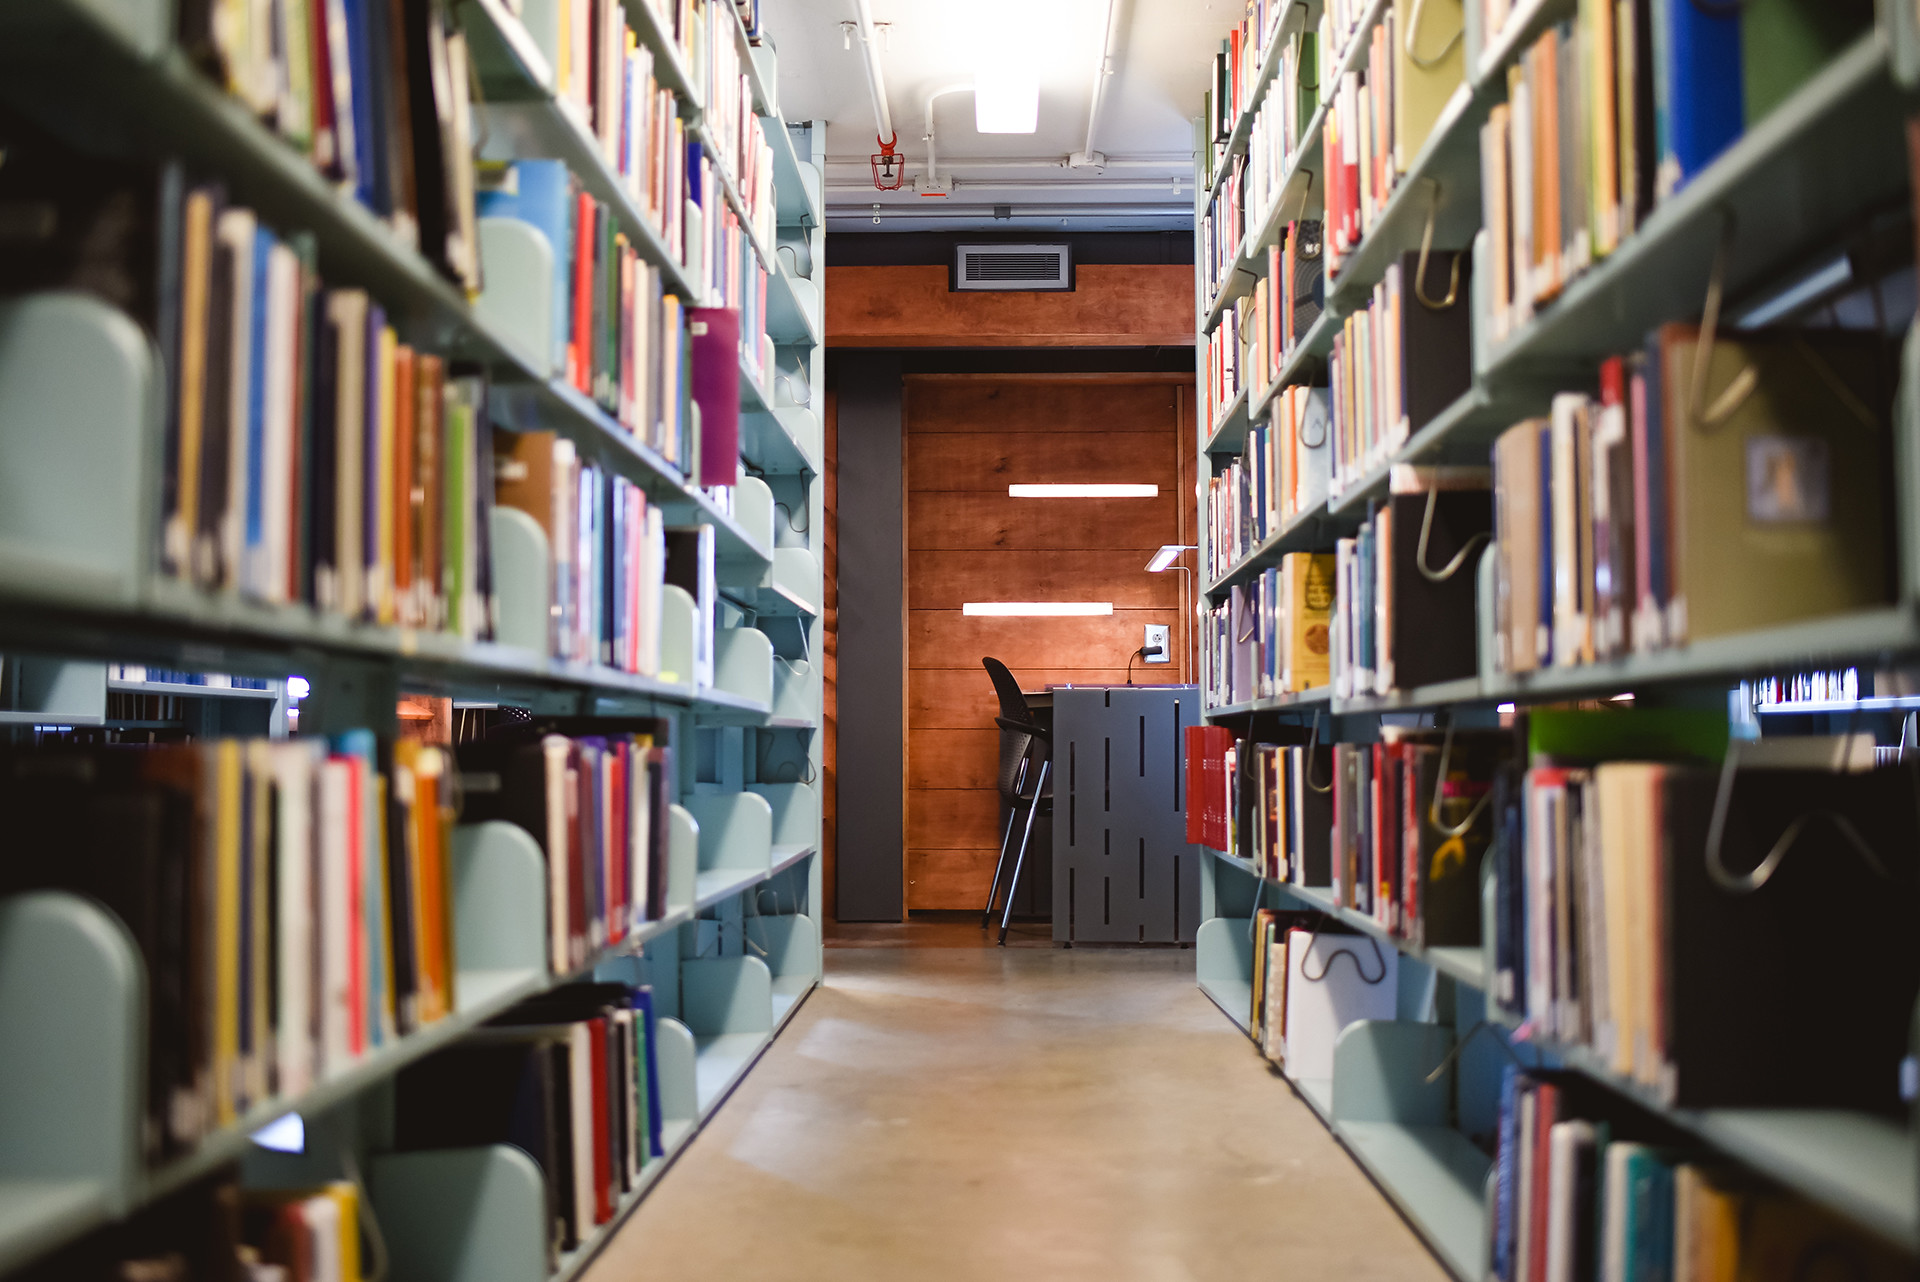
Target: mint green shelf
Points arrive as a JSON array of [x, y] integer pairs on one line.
[[796, 183], [1309, 698], [793, 303], [1529, 19], [1229, 436], [1311, 531]]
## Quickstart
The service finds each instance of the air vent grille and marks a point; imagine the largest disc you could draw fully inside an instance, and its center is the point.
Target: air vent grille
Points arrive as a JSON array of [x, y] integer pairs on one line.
[[1013, 267]]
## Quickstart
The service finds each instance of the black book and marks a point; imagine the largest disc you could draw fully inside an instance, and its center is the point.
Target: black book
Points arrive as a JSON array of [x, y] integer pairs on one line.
[[321, 561], [1436, 343], [1798, 992], [496, 1090], [401, 857], [1434, 628]]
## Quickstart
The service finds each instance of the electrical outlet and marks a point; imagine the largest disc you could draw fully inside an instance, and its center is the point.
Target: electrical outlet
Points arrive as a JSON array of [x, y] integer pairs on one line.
[[1157, 635]]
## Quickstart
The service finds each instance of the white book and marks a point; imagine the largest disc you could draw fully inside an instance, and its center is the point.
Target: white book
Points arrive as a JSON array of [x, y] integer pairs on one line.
[[639, 836], [267, 569], [335, 924], [1569, 628], [1614, 1214], [633, 1134], [1524, 1227], [322, 1215], [555, 749], [1569, 1145], [580, 1105], [294, 768]]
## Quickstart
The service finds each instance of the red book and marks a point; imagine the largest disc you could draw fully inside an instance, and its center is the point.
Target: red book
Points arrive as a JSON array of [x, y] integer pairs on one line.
[[602, 1128], [619, 844], [1207, 785], [580, 346], [1546, 1111]]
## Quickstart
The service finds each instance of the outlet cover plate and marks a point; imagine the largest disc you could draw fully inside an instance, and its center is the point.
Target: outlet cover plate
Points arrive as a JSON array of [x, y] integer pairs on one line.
[[1158, 635]]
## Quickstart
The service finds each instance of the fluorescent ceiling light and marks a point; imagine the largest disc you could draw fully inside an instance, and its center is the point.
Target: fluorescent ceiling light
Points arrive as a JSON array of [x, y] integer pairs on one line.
[[1166, 556], [1046, 609], [1006, 97], [1083, 491]]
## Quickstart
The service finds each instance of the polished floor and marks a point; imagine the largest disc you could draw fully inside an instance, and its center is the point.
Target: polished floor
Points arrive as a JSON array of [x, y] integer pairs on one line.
[[939, 1110]]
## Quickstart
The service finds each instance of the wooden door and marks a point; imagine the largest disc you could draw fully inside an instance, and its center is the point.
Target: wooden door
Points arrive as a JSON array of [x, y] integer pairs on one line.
[[968, 437]]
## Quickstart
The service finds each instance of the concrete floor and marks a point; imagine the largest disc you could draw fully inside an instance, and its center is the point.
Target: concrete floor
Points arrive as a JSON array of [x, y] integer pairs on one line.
[[974, 1113]]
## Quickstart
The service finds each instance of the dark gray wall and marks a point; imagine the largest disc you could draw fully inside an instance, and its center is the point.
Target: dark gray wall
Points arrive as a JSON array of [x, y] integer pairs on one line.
[[868, 856]]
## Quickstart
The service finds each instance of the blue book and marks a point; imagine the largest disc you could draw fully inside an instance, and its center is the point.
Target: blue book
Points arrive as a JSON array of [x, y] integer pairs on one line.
[[1701, 88], [361, 745], [540, 194], [1505, 1174], [650, 1057], [366, 165], [263, 245]]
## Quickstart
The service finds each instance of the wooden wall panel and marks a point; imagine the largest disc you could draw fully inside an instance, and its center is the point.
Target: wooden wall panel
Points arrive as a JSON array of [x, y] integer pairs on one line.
[[949, 639], [991, 461], [968, 437], [1048, 403], [1109, 306], [959, 519], [950, 878]]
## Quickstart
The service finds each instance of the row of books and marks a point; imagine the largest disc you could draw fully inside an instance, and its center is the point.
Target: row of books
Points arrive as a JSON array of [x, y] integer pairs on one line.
[[736, 132], [619, 335], [1279, 809], [1616, 110], [1380, 116], [598, 805], [1284, 303], [606, 551], [1270, 636], [1236, 71], [309, 455], [1222, 229], [1279, 474], [1406, 583], [1672, 508], [1398, 363], [1646, 874], [571, 1078], [173, 676], [1283, 114], [606, 79], [1586, 1188], [375, 93], [292, 902], [1225, 376], [1407, 841], [1311, 979]]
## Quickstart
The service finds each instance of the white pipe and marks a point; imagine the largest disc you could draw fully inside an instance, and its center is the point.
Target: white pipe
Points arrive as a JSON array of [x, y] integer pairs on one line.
[[1038, 184], [940, 209], [933, 164], [1101, 72], [1182, 165], [876, 82]]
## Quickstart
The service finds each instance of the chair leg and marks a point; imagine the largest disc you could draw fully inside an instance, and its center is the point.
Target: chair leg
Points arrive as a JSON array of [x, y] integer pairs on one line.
[[993, 890], [1026, 838]]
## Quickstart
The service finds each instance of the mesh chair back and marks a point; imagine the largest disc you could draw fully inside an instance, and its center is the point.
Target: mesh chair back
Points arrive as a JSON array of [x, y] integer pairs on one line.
[[1014, 746], [1013, 702]]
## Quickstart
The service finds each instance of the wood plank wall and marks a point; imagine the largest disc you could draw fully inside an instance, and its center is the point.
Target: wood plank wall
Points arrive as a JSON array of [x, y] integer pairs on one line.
[[1111, 305], [969, 436]]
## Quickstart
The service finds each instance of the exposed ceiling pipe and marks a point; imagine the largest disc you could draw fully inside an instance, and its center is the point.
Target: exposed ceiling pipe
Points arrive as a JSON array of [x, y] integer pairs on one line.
[[1183, 165], [876, 81], [931, 185], [1087, 157], [867, 210], [1037, 184]]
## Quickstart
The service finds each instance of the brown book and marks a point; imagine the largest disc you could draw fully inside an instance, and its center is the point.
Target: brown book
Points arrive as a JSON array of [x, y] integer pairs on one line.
[[405, 407]]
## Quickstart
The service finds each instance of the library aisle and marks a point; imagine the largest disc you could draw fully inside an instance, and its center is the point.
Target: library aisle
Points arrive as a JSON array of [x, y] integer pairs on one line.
[[965, 1112]]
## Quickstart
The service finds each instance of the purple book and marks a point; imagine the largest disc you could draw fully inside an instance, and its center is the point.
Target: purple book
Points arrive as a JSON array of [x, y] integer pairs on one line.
[[714, 336]]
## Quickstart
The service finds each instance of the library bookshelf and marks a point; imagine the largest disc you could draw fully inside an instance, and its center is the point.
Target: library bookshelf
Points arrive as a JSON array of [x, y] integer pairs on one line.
[[1415, 1099], [736, 947]]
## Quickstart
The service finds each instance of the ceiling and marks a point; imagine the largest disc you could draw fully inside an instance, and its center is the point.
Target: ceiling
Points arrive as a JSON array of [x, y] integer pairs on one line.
[[1162, 53]]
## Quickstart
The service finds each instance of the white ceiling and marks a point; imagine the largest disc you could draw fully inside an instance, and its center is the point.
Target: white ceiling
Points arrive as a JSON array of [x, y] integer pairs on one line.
[[1162, 55]]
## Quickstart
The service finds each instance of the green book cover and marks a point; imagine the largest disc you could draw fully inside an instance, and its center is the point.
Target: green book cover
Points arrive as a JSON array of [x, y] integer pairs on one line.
[[1627, 734], [1784, 43]]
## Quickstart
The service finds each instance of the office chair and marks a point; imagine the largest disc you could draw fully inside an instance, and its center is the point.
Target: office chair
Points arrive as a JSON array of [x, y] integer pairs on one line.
[[1026, 752]]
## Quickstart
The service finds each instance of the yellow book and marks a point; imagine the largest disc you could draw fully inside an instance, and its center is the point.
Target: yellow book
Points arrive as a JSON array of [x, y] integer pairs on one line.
[[1603, 183], [346, 1196], [1307, 580], [1706, 1225], [380, 588], [1426, 76], [226, 931]]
